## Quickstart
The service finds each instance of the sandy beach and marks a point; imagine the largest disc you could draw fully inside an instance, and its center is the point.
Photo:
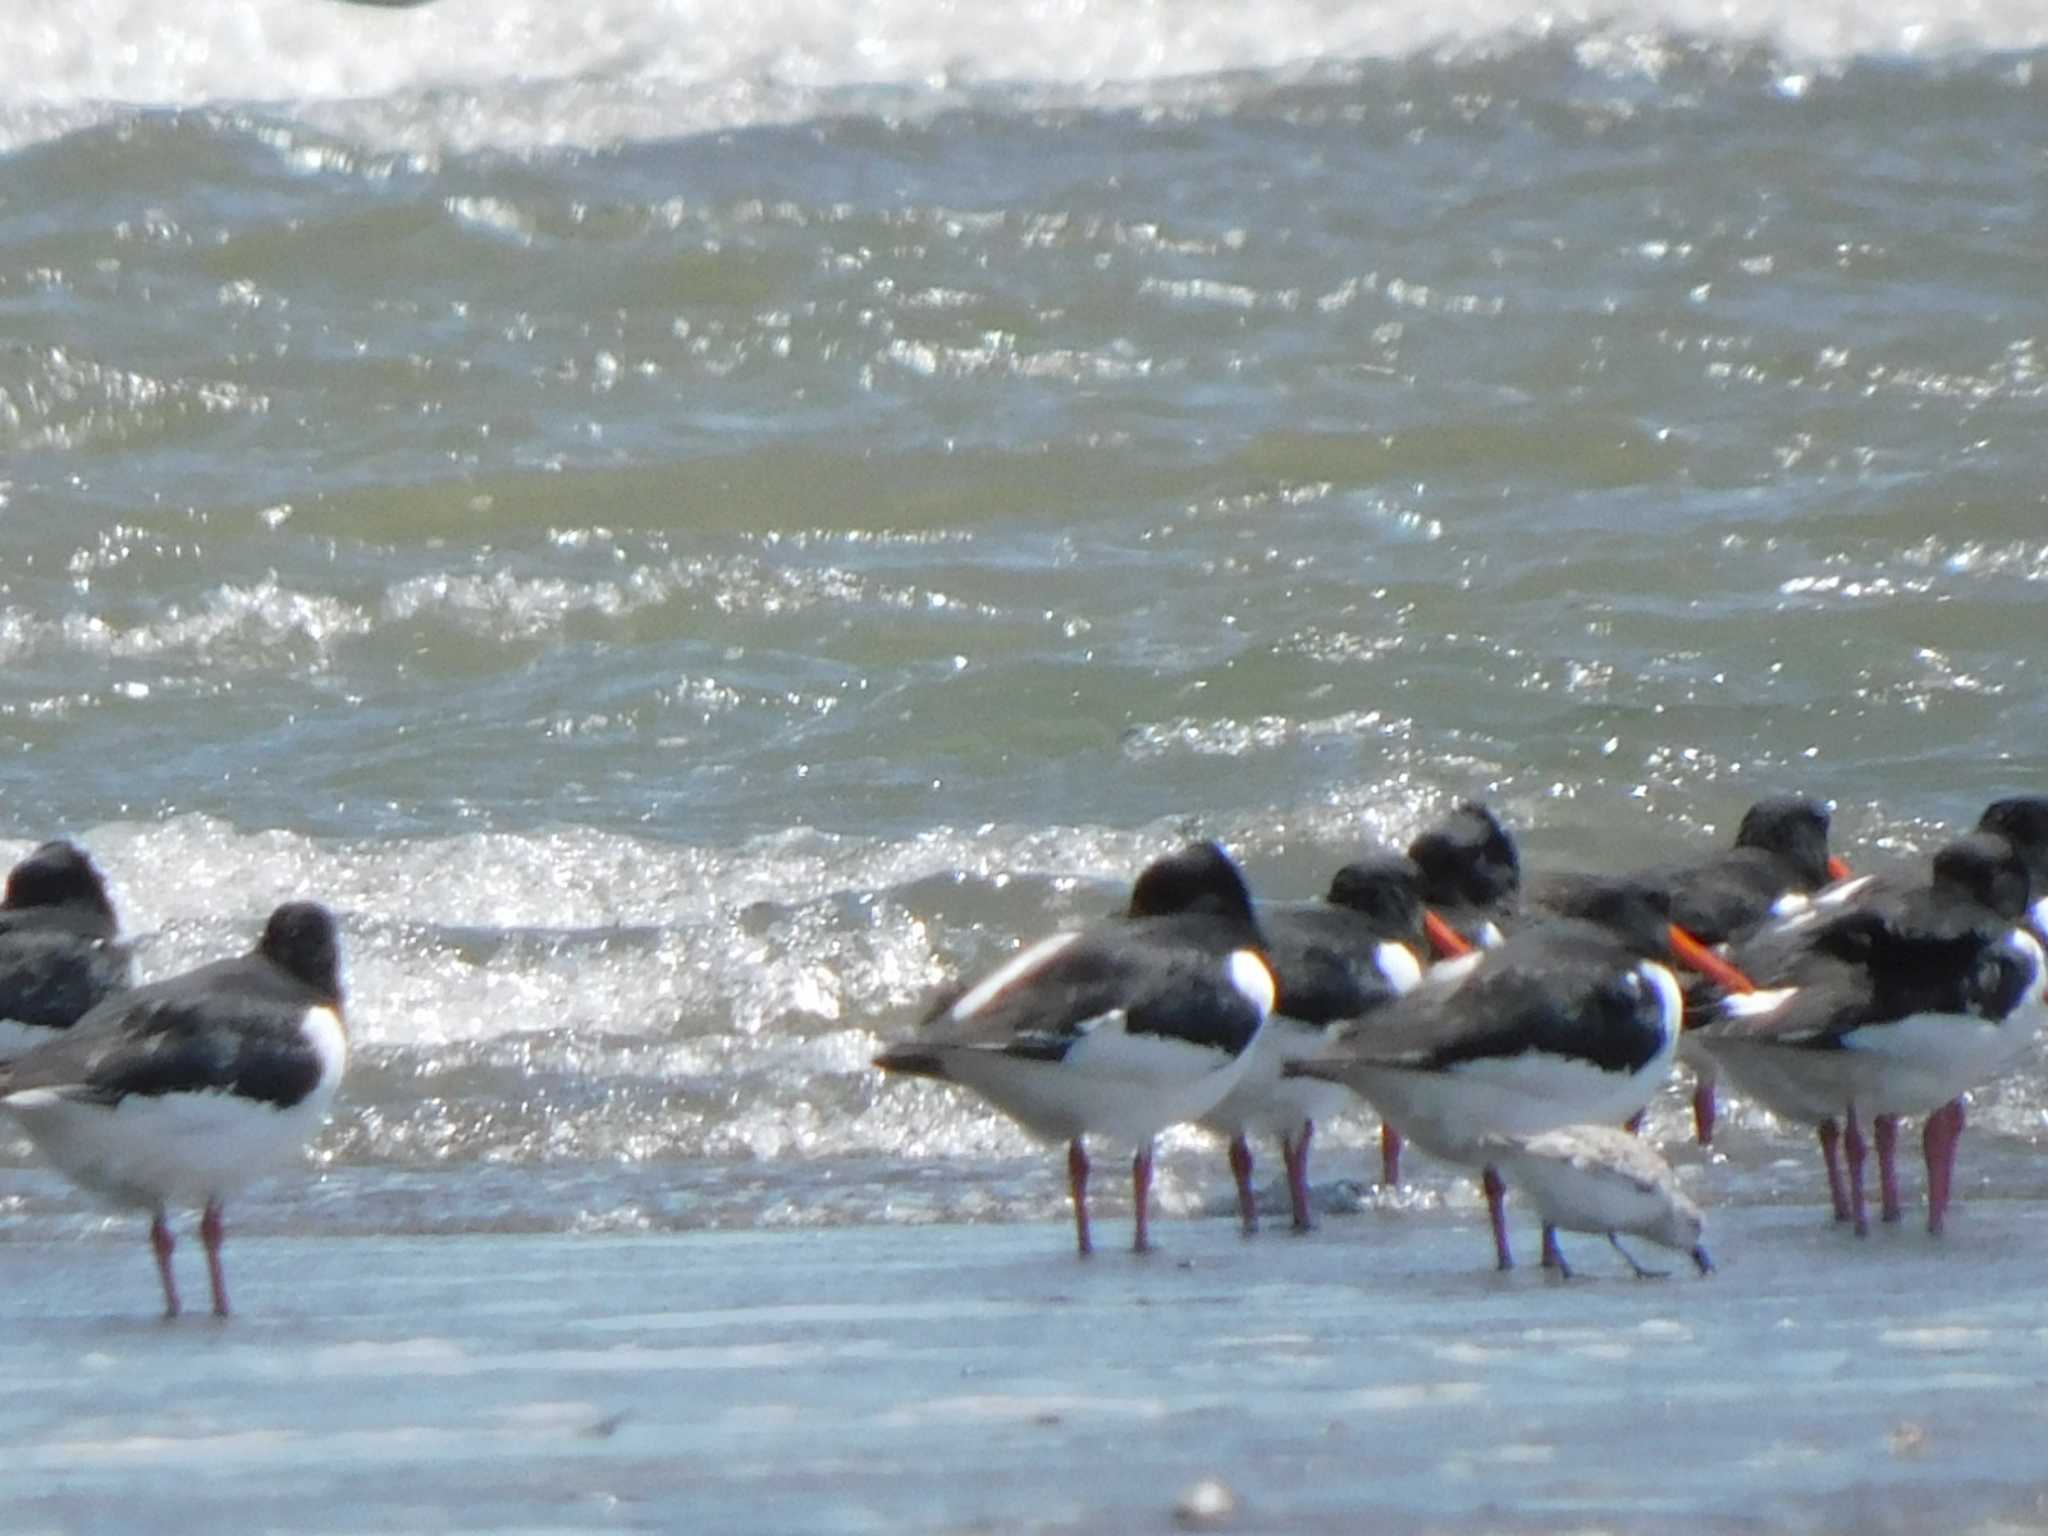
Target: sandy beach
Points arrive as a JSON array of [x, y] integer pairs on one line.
[[979, 1378]]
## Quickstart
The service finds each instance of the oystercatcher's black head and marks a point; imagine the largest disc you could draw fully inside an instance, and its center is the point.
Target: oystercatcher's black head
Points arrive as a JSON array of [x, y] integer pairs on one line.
[[1467, 859], [301, 940], [1983, 868], [1199, 878], [2023, 822], [1796, 830], [1386, 890], [58, 874]]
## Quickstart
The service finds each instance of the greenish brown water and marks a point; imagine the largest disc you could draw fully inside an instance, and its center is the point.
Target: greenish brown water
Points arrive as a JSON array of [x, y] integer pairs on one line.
[[688, 535]]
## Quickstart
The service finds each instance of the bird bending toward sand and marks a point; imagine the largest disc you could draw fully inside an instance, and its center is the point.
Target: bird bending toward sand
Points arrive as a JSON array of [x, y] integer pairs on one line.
[[1601, 1179]]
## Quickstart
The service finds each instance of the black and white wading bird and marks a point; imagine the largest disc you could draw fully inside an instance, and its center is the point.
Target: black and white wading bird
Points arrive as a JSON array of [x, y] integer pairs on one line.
[[1471, 879], [1476, 894], [1332, 960], [1566, 1021], [1118, 1030], [1895, 1001], [1780, 850], [1469, 873], [2003, 865], [1780, 854], [59, 950], [2023, 822], [183, 1091]]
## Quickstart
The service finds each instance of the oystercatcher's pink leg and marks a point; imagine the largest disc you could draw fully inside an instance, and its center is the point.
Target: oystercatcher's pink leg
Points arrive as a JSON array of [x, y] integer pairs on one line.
[[1296, 1153], [211, 1234], [1241, 1170], [1141, 1200], [1704, 1109], [1497, 1208], [1852, 1153], [1390, 1156], [1830, 1133], [1885, 1132], [161, 1241], [1077, 1184], [1938, 1138], [1553, 1255]]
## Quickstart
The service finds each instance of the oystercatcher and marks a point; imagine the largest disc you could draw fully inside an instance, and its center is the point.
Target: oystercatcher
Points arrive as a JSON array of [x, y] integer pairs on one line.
[[1117, 1030], [1897, 1004], [183, 1091], [1471, 878], [59, 950], [1566, 1021], [2023, 822], [1780, 853], [1332, 960]]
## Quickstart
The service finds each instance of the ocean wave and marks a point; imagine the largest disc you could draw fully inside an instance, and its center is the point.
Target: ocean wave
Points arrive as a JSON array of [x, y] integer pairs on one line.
[[528, 74]]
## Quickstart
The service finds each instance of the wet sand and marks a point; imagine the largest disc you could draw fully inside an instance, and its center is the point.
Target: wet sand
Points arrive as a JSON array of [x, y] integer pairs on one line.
[[956, 1378]]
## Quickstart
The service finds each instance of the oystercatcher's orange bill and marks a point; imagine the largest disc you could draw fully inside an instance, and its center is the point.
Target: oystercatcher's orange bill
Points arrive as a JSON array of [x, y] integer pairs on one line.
[[1443, 938], [1690, 952], [1838, 867]]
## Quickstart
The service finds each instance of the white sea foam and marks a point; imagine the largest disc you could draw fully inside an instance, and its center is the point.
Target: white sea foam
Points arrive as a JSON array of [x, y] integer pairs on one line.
[[475, 937], [231, 626], [615, 70], [573, 993]]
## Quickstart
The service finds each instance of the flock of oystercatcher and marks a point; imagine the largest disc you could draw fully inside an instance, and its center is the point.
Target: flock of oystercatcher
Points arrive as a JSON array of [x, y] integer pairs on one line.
[[1513, 1027], [1503, 1025]]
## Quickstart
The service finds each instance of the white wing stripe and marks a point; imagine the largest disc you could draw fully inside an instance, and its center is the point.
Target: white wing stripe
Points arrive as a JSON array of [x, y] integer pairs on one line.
[[985, 991]]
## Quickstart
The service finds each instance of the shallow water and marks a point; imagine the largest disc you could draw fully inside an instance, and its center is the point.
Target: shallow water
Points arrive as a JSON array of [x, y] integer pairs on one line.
[[689, 530]]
